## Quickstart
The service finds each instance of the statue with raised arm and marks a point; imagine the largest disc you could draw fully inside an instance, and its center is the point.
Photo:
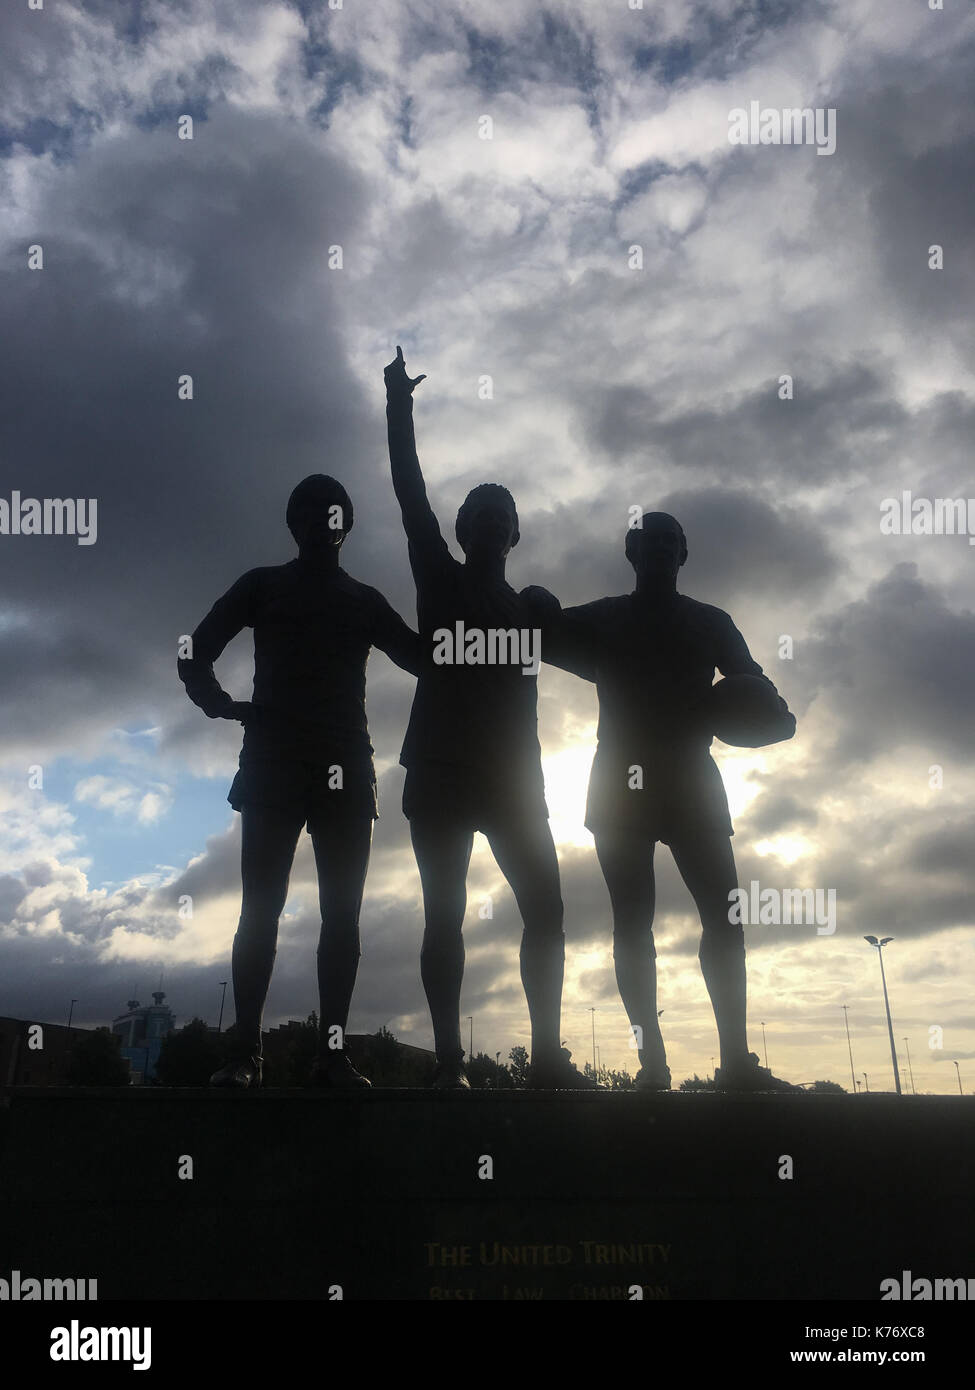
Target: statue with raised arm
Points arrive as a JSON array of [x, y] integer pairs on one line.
[[652, 655], [306, 760], [471, 752]]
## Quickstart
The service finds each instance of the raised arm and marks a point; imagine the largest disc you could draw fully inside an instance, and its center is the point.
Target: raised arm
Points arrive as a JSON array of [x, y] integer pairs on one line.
[[419, 521], [228, 616]]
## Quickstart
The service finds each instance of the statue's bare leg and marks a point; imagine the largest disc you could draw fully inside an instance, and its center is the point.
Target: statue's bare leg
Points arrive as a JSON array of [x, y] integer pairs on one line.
[[443, 856], [626, 859], [268, 841], [707, 865]]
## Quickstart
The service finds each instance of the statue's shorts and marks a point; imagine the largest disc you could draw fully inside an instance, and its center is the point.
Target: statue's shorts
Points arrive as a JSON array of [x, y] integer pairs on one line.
[[475, 798], [309, 778], [667, 793]]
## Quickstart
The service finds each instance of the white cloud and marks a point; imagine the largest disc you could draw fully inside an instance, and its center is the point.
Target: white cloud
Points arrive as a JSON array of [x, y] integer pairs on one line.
[[124, 799]]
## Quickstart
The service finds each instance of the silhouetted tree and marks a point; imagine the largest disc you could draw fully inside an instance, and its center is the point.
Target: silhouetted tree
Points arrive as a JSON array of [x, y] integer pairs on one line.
[[696, 1083], [381, 1061], [189, 1056], [302, 1050], [519, 1066], [616, 1080], [831, 1087], [96, 1060], [484, 1072]]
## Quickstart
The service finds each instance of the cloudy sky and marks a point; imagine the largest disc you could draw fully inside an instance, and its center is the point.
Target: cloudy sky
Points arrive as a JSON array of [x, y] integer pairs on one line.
[[515, 257]]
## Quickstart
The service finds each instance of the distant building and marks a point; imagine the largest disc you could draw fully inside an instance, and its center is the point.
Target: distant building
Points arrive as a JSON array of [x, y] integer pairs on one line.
[[143, 1031], [38, 1059]]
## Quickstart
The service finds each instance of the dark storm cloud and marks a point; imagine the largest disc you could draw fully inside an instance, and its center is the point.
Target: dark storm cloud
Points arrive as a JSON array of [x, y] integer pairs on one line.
[[12, 893], [837, 423], [912, 871], [777, 812], [945, 850], [747, 545], [54, 675], [898, 669], [909, 150], [40, 987], [214, 873]]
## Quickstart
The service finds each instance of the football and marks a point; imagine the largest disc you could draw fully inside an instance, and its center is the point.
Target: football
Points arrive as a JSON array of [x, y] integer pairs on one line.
[[746, 712]]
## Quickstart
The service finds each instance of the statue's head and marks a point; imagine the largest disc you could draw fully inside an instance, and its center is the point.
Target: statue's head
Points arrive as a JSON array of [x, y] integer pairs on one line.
[[657, 547], [319, 512], [487, 523]]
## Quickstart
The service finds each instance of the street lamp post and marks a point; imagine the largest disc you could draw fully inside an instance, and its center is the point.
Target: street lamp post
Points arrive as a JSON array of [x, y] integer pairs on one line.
[[765, 1047], [470, 1020], [958, 1074], [866, 1082], [593, 1013], [890, 1027], [849, 1045], [909, 1067], [223, 995], [71, 1013]]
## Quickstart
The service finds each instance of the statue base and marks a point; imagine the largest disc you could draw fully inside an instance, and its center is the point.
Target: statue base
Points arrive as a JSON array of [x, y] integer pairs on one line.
[[423, 1195]]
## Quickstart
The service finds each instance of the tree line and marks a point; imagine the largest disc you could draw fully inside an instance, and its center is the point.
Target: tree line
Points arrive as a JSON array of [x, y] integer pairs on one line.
[[190, 1055]]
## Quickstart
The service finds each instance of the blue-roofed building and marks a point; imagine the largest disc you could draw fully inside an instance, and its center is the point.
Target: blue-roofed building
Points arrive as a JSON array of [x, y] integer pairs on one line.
[[142, 1031]]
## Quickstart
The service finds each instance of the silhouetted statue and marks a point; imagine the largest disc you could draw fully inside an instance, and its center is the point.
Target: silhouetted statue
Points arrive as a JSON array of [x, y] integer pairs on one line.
[[471, 751], [306, 758], [652, 655]]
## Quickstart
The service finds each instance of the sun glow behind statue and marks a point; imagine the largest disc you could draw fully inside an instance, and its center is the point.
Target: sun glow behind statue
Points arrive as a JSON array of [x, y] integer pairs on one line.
[[566, 782]]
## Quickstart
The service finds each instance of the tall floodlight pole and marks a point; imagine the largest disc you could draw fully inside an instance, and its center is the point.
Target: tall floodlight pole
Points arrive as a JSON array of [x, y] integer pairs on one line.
[[890, 1027], [849, 1045], [223, 995], [910, 1068], [71, 1013], [592, 1010]]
